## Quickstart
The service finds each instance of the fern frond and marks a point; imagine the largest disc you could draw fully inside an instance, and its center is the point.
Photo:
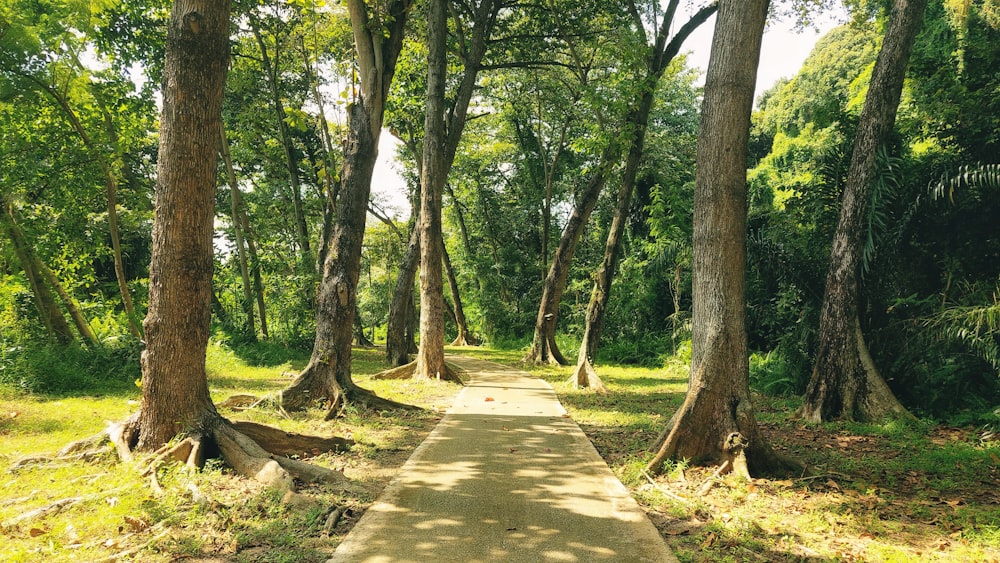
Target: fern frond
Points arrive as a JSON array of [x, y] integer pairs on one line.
[[970, 178]]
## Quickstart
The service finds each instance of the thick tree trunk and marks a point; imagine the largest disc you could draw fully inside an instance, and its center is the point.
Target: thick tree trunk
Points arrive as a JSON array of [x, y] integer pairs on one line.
[[241, 253], [175, 397], [327, 376], [845, 383], [52, 317], [716, 423], [430, 355], [543, 344]]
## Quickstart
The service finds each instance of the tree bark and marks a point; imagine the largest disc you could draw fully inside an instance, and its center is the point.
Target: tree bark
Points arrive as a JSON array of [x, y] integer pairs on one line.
[[657, 60], [397, 345], [175, 397], [241, 253], [464, 337], [845, 383], [543, 343], [716, 423], [327, 376], [430, 354], [71, 304]]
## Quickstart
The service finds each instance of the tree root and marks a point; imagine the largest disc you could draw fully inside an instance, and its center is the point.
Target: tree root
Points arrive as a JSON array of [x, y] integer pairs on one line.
[[409, 371], [404, 371], [279, 442], [46, 510], [586, 377]]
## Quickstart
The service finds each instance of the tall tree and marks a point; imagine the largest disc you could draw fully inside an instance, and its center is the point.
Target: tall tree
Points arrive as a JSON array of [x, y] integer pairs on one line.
[[175, 397], [845, 382], [378, 30], [716, 422], [657, 58], [430, 355]]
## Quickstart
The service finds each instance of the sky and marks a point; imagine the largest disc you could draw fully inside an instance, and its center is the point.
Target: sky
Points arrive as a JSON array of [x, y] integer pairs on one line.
[[783, 51]]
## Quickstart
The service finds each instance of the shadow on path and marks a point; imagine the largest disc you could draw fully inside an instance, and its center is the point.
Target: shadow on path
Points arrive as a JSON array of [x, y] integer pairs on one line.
[[505, 476]]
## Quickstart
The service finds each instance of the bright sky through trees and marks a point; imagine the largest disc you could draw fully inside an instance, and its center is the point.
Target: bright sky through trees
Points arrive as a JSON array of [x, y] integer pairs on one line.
[[782, 54]]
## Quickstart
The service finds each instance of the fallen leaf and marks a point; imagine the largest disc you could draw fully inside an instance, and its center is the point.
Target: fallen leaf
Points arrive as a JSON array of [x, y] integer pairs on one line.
[[832, 484], [16, 414], [505, 429], [709, 540], [995, 459], [137, 524], [488, 399], [35, 532]]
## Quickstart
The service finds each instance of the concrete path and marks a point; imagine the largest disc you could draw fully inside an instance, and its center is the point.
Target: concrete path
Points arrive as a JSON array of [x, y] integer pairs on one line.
[[505, 476]]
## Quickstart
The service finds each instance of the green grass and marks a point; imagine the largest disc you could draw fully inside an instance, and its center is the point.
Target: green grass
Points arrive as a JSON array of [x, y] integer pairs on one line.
[[211, 513], [896, 491], [899, 491]]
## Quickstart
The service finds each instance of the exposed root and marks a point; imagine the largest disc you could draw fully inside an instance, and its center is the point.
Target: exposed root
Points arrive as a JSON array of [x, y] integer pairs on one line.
[[404, 371], [332, 520], [283, 443], [586, 377], [239, 402], [724, 468], [250, 460], [46, 510]]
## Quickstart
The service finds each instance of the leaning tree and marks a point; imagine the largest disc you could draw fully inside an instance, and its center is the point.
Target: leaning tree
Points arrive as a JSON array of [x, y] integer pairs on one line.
[[378, 28], [845, 382]]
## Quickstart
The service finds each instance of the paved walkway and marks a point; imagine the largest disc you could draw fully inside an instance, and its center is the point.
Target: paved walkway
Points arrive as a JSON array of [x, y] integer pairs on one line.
[[506, 477]]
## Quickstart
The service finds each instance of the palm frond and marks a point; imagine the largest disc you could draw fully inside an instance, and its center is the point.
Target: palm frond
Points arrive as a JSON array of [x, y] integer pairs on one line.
[[975, 327], [970, 178]]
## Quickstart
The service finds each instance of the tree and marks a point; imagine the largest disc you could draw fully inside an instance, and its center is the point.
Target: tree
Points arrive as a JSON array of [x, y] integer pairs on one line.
[[716, 422], [845, 382], [175, 398], [433, 174], [657, 59], [378, 38]]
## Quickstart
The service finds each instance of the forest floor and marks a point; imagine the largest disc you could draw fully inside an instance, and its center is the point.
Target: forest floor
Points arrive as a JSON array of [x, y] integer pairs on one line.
[[892, 492], [886, 492]]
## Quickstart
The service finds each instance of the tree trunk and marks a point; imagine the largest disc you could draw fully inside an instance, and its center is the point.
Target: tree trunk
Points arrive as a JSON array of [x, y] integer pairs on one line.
[[659, 57], [716, 423], [397, 345], [241, 253], [464, 337], [111, 187], [52, 317], [845, 383], [175, 397], [327, 376], [585, 375], [543, 344], [301, 228], [359, 331], [71, 304], [430, 355]]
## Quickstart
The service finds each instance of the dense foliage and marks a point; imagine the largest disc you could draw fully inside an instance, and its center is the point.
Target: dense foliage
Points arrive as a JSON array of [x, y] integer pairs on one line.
[[78, 100]]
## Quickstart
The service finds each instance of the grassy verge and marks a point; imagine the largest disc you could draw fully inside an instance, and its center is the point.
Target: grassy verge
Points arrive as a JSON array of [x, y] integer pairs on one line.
[[106, 512], [891, 492]]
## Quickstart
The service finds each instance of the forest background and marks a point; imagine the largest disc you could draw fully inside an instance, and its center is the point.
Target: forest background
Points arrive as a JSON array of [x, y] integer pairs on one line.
[[78, 105]]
